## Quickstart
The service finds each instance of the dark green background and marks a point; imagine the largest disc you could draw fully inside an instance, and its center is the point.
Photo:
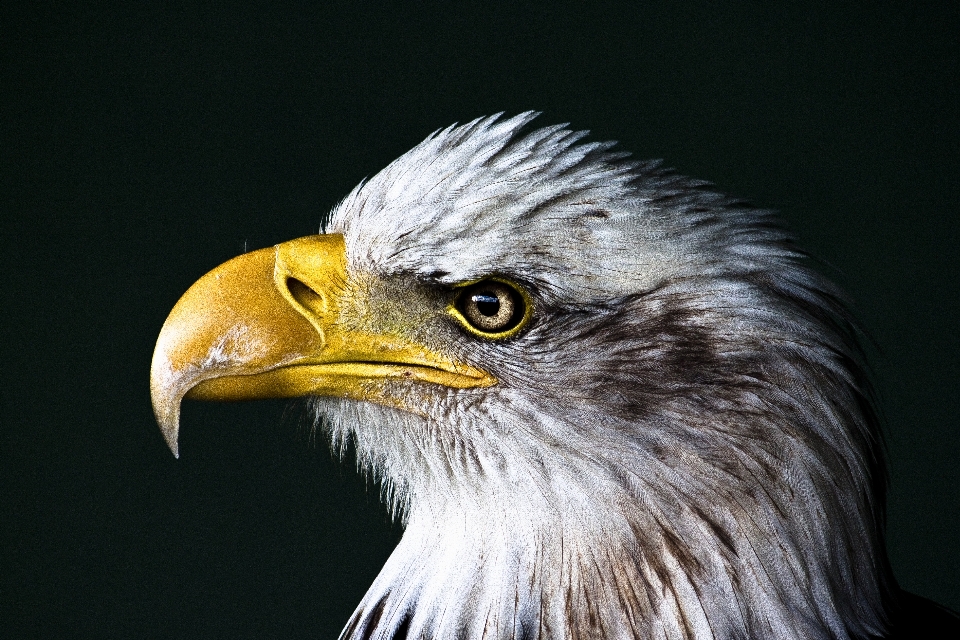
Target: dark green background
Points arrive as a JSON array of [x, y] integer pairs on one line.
[[143, 146]]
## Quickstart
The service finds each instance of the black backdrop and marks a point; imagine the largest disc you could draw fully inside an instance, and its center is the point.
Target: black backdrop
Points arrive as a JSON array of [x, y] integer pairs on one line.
[[144, 145]]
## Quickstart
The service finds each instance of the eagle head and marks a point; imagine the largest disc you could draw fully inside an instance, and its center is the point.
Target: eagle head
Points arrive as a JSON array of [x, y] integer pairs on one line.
[[605, 400]]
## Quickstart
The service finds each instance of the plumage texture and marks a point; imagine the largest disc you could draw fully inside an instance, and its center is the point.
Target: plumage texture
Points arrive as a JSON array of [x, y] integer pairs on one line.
[[682, 443]]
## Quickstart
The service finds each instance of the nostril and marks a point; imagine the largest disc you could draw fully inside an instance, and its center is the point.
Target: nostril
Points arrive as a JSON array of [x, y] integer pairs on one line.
[[304, 295]]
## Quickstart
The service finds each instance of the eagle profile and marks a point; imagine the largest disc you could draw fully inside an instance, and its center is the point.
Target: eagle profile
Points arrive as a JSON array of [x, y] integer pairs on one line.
[[605, 400]]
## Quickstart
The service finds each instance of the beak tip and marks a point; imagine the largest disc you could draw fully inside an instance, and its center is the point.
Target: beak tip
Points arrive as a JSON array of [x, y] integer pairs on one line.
[[172, 443], [170, 427], [166, 409], [166, 392]]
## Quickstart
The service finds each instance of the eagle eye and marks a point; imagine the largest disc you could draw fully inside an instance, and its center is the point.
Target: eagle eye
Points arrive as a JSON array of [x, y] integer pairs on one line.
[[492, 308]]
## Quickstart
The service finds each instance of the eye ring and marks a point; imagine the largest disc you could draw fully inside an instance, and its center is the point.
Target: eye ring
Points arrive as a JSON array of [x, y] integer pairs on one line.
[[492, 308]]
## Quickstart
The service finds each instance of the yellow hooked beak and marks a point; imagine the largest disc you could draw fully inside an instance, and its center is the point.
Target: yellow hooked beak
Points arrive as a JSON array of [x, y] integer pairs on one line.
[[265, 325]]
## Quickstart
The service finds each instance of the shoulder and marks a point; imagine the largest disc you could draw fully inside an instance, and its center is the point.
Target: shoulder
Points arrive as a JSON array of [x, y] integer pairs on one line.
[[922, 619]]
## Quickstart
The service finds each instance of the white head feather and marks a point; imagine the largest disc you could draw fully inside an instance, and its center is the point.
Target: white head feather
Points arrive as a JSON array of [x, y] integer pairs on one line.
[[682, 443]]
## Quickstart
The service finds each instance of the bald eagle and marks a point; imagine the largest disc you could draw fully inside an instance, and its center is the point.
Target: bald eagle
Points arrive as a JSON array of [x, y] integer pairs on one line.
[[605, 400]]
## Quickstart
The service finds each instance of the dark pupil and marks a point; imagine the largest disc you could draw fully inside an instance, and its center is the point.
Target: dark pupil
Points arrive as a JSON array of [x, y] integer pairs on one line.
[[487, 303]]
